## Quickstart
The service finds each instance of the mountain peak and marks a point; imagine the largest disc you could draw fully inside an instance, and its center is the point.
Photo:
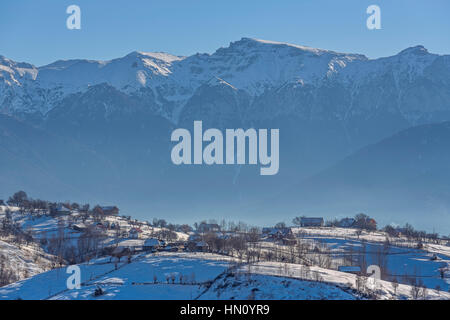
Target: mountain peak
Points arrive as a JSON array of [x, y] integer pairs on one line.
[[253, 42], [11, 63], [163, 56], [416, 50]]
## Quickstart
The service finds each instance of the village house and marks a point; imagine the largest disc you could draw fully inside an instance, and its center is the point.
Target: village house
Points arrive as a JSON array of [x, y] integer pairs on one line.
[[400, 231], [151, 244], [114, 226], [311, 222], [110, 210], [180, 245], [208, 227], [62, 209], [75, 213], [133, 245], [99, 227], [346, 223], [134, 233], [201, 246], [277, 233], [80, 227], [194, 237]]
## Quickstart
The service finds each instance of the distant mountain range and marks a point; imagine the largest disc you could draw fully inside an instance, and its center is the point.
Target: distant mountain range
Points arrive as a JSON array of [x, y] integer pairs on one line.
[[100, 130]]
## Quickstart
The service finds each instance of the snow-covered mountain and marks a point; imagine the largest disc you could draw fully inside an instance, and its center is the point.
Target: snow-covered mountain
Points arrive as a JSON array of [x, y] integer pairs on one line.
[[327, 105], [258, 67]]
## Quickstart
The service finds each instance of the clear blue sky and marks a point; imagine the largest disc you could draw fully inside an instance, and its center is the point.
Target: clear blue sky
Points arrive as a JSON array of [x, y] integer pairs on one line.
[[35, 31]]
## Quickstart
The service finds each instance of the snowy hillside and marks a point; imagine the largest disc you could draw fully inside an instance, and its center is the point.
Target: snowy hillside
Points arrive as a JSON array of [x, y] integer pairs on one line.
[[403, 261], [38, 242], [123, 258], [200, 276], [22, 261]]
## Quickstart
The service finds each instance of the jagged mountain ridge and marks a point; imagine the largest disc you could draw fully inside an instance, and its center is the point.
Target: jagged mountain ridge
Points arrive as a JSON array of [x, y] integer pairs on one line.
[[257, 67]]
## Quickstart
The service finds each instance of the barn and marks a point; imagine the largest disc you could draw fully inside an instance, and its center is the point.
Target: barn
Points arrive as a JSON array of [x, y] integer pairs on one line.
[[347, 223], [311, 222], [151, 244], [110, 210], [135, 233]]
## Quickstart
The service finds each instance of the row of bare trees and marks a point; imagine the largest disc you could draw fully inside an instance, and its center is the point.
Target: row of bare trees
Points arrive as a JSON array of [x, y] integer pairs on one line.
[[7, 274]]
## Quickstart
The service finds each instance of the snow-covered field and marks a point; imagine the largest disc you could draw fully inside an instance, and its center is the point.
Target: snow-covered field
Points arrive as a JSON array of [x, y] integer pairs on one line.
[[266, 287], [203, 276], [372, 236], [384, 289], [135, 280], [404, 261], [403, 264]]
